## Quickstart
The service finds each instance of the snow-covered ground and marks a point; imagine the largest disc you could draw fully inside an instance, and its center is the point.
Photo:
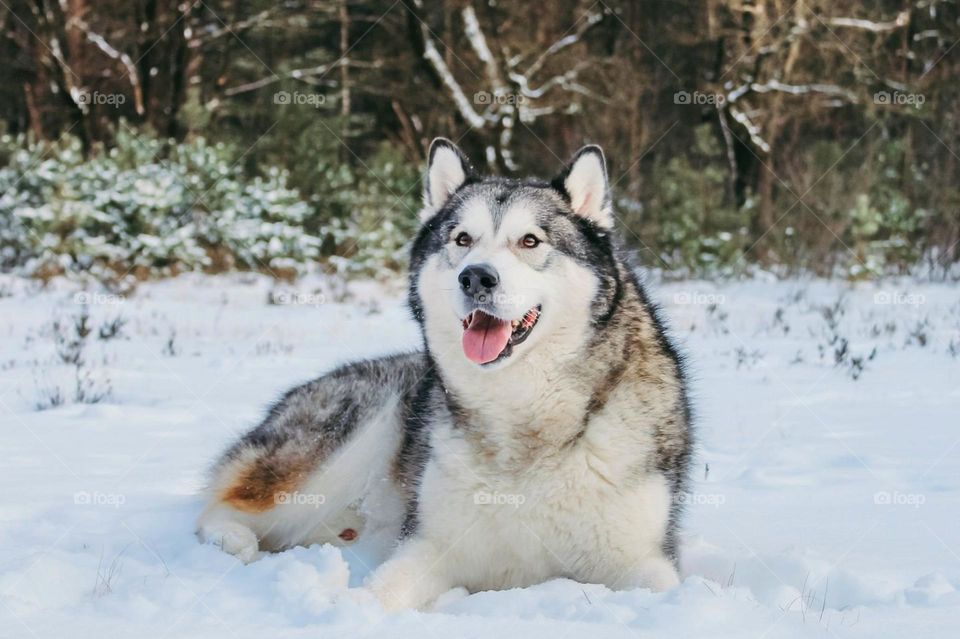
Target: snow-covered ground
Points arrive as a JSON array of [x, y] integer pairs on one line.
[[826, 499]]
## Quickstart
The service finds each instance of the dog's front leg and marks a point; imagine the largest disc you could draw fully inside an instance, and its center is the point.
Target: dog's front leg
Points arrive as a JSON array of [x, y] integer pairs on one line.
[[413, 578]]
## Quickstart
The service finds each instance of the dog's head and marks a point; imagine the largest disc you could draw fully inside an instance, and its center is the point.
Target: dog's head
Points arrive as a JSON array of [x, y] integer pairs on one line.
[[505, 268]]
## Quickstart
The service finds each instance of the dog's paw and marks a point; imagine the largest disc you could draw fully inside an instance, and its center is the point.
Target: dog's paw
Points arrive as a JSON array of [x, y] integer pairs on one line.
[[452, 596], [394, 592], [410, 579], [232, 537], [657, 574]]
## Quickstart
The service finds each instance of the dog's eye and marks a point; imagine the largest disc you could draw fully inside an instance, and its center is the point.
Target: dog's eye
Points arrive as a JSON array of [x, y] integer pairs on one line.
[[463, 239], [530, 241]]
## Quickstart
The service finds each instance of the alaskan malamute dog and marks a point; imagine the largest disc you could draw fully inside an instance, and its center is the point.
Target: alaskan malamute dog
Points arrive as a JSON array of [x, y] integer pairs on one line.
[[543, 431]]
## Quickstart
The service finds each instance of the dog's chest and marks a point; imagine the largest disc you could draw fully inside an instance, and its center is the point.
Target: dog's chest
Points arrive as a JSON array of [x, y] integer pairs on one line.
[[524, 526]]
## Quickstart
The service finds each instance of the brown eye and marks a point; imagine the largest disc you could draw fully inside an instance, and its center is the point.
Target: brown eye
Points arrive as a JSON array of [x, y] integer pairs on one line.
[[463, 239], [530, 241]]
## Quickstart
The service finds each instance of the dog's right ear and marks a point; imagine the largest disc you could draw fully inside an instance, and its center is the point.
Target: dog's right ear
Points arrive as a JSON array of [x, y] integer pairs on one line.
[[447, 170]]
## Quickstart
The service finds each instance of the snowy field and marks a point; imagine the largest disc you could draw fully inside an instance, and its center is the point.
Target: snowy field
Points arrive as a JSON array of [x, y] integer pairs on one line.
[[825, 503]]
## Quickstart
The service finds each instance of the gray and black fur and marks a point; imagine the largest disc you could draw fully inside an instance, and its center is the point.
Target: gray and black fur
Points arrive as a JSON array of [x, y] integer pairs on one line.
[[592, 247]]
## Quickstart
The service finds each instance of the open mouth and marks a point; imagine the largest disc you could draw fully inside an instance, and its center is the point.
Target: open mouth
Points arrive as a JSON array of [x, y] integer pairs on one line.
[[487, 338]]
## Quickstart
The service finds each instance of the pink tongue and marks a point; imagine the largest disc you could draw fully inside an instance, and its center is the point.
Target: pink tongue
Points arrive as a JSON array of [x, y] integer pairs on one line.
[[485, 338]]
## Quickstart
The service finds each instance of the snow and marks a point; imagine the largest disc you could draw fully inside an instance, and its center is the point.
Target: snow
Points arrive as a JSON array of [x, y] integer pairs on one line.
[[830, 506]]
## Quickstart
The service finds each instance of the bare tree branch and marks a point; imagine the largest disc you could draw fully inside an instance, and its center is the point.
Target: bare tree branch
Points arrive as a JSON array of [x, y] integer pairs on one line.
[[902, 19], [479, 44], [436, 60], [299, 74], [800, 89], [112, 52]]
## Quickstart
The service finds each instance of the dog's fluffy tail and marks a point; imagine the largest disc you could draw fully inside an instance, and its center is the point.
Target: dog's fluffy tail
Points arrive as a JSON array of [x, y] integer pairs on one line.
[[320, 468]]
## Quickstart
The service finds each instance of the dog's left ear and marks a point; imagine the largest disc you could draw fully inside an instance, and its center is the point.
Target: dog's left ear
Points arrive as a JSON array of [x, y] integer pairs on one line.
[[447, 170], [584, 180]]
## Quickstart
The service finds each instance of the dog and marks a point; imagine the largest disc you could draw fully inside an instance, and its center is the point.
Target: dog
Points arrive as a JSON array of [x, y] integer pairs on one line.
[[543, 431]]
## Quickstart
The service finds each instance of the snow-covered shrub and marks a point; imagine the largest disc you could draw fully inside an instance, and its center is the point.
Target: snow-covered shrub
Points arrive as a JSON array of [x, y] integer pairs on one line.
[[384, 205], [885, 227], [149, 208]]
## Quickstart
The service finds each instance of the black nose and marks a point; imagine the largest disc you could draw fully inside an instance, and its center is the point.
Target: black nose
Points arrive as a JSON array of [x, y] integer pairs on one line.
[[478, 280]]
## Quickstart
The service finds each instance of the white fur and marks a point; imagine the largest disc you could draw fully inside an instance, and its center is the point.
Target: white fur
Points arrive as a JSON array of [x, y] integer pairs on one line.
[[569, 518], [565, 292]]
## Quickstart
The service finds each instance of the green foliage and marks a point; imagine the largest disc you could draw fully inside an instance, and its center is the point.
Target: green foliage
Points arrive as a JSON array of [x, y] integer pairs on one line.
[[867, 214], [149, 207], [383, 221], [693, 226], [152, 208], [886, 226]]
